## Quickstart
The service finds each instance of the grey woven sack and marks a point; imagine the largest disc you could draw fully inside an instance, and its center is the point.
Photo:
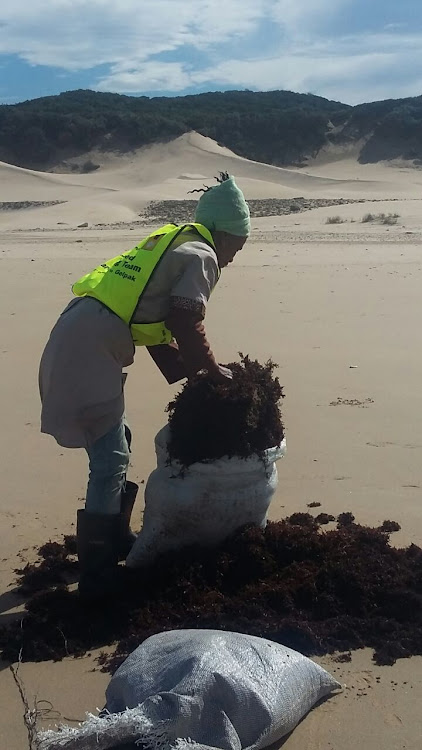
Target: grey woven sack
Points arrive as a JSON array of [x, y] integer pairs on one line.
[[192, 689]]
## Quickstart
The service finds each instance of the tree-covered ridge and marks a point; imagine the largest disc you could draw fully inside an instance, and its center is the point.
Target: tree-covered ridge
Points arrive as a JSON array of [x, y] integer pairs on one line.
[[278, 127]]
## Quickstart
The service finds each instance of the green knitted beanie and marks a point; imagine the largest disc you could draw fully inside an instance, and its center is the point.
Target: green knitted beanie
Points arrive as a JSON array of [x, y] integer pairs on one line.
[[223, 208]]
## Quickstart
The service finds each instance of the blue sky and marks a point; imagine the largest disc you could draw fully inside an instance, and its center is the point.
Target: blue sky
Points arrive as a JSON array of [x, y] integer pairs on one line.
[[349, 50]]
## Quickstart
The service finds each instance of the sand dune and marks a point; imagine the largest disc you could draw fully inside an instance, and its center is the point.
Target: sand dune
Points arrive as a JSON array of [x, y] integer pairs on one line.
[[18, 184], [161, 162], [124, 184]]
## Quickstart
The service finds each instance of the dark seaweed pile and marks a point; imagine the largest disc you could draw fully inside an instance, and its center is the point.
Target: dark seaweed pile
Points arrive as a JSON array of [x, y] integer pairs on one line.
[[314, 590], [239, 418]]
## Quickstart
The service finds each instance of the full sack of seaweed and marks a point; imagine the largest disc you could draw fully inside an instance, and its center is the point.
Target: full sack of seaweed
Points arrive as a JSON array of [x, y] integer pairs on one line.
[[216, 463], [241, 418]]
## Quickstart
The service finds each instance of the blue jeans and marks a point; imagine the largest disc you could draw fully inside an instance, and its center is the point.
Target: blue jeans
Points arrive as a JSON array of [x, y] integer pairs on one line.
[[108, 464]]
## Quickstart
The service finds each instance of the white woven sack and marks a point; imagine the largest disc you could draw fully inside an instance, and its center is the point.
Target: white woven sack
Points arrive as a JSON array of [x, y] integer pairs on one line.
[[205, 503], [187, 689]]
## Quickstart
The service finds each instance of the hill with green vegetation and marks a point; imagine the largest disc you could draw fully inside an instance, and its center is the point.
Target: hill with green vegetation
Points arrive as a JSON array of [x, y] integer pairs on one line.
[[277, 127]]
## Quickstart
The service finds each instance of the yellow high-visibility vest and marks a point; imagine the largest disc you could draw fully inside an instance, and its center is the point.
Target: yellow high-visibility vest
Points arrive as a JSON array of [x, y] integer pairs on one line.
[[120, 282]]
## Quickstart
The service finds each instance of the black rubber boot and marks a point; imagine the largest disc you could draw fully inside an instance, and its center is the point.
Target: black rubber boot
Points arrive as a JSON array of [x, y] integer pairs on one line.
[[127, 537], [97, 540]]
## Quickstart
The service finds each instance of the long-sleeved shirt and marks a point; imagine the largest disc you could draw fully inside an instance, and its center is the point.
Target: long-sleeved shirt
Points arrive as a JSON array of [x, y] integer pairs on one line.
[[80, 375]]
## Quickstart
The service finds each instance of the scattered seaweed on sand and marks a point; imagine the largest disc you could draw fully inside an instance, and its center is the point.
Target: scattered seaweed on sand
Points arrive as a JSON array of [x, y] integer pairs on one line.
[[314, 590], [183, 211], [55, 567], [345, 658], [239, 418]]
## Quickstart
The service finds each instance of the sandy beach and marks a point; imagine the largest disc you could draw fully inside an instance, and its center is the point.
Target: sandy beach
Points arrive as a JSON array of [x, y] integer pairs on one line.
[[337, 305]]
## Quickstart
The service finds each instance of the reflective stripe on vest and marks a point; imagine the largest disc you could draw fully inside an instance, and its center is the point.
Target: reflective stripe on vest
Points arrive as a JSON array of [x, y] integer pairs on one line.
[[120, 282]]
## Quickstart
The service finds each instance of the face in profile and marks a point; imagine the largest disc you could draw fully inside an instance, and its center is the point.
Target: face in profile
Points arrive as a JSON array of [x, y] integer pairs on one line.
[[227, 246]]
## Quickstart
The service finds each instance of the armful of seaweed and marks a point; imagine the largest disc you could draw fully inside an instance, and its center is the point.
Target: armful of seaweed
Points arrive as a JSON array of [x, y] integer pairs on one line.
[[188, 329]]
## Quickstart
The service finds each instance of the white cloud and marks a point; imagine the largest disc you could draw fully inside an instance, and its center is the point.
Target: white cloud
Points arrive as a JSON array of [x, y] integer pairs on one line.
[[351, 69], [332, 69], [147, 76], [129, 35], [297, 71], [79, 34], [300, 17]]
